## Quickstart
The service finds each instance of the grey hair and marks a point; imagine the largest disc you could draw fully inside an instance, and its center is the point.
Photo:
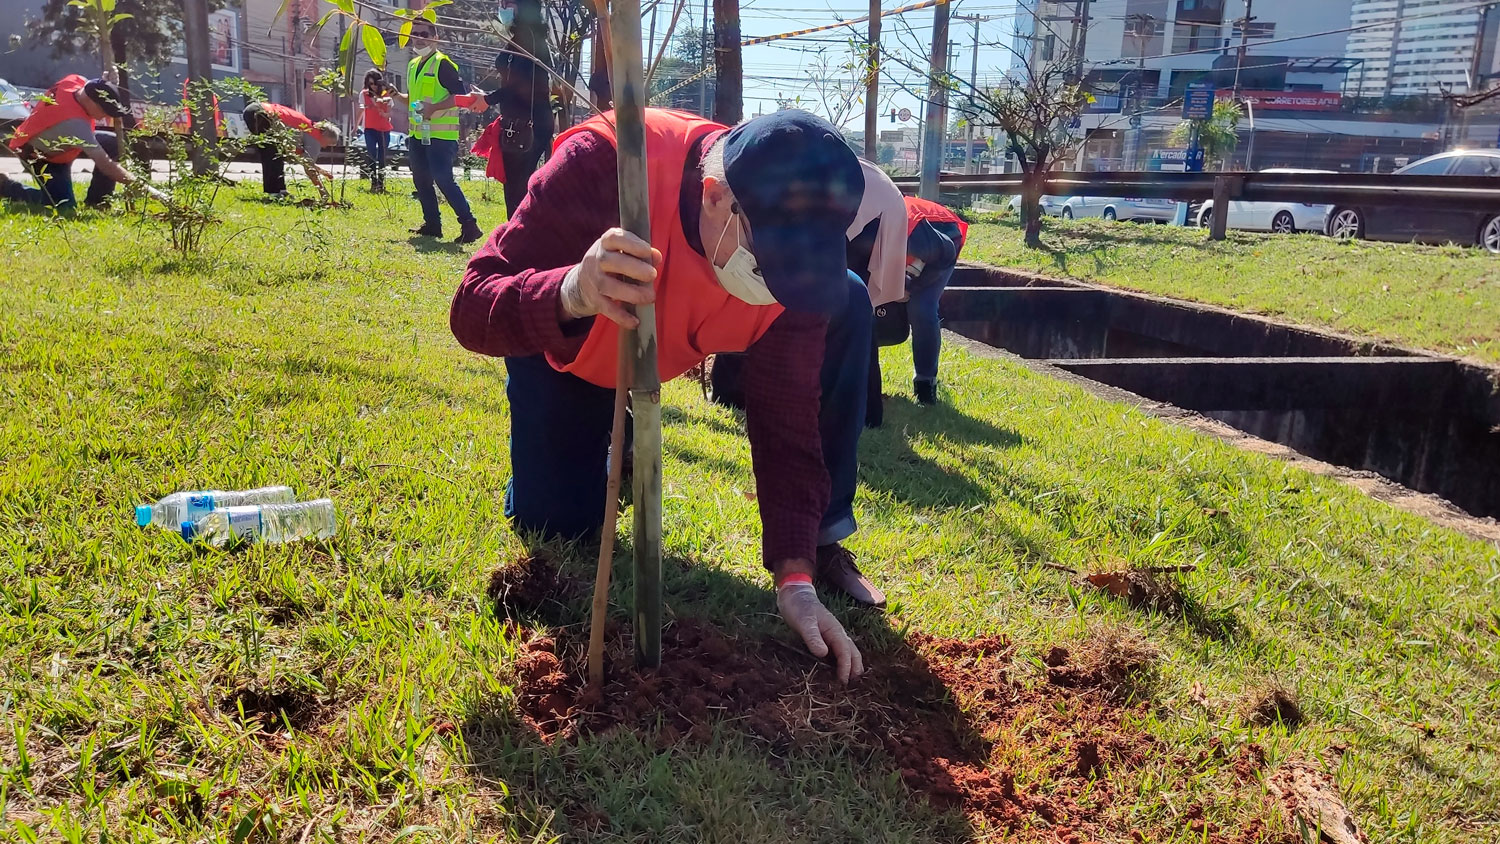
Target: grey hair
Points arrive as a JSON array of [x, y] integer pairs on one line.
[[713, 161]]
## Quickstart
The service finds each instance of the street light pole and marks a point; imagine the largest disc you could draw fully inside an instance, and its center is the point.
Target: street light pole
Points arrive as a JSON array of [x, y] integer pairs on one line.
[[937, 105], [872, 84], [1239, 60]]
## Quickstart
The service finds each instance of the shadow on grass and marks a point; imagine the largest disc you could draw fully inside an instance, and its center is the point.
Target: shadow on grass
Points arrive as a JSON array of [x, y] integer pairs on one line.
[[428, 245], [666, 767], [889, 463]]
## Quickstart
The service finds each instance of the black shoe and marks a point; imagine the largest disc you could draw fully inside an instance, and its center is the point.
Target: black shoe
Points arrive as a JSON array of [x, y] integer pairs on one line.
[[835, 569], [470, 233], [427, 231], [926, 391]]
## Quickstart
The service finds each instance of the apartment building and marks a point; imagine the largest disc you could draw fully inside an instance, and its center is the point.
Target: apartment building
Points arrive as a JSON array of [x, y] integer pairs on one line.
[[1414, 47]]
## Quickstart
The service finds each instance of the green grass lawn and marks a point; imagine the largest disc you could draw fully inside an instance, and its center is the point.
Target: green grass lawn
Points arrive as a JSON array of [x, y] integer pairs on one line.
[[312, 348], [1446, 299]]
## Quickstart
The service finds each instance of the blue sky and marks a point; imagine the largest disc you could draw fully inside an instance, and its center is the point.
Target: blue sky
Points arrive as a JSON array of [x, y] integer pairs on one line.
[[787, 69]]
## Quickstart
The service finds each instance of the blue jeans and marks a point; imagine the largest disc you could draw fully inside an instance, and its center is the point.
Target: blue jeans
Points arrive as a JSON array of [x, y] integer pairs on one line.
[[55, 181], [559, 435], [376, 141], [926, 330], [432, 164]]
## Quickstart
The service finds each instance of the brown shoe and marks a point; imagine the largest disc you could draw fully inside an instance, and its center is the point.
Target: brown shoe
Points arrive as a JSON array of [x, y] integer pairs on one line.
[[835, 569]]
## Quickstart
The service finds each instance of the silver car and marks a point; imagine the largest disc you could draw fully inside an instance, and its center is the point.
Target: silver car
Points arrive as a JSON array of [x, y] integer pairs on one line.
[[1279, 217], [1119, 208], [1051, 205]]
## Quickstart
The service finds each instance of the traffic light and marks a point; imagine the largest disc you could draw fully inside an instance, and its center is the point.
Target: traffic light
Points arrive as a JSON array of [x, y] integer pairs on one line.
[[893, 115]]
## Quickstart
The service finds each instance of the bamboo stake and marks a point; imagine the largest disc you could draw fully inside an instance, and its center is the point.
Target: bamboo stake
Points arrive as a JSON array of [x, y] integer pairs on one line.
[[623, 374], [636, 367], [645, 390]]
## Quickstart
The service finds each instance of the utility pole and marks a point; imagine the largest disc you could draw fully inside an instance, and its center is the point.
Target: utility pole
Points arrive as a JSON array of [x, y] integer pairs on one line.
[[729, 78], [1082, 45], [703, 42], [937, 105], [872, 84], [1239, 61], [1476, 67], [200, 75], [973, 86], [1140, 27]]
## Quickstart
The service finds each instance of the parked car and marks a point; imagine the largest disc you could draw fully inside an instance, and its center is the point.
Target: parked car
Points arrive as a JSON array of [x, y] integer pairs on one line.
[[14, 107], [1119, 208], [395, 154], [1427, 225], [1051, 205], [1279, 217]]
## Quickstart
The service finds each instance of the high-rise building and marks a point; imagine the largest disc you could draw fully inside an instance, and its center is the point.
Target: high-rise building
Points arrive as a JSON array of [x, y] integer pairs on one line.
[[1164, 45], [1413, 46]]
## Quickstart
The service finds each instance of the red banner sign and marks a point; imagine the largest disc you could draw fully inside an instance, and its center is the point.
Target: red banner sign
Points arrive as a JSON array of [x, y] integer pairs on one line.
[[1290, 100]]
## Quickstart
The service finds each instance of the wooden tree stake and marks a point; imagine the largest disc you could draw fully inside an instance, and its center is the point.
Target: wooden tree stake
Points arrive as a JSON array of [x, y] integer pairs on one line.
[[637, 366]]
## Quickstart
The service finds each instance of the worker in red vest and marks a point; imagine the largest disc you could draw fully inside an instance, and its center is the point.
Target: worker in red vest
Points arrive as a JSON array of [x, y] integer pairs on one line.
[[747, 253], [934, 237], [261, 120], [60, 129]]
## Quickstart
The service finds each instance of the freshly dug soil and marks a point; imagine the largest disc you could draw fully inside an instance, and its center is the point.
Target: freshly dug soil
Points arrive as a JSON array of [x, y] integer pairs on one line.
[[532, 588], [946, 712]]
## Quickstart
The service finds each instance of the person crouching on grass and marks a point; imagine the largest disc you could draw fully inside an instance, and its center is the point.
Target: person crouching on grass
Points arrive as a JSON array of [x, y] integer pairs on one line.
[[58, 131], [747, 254], [261, 120]]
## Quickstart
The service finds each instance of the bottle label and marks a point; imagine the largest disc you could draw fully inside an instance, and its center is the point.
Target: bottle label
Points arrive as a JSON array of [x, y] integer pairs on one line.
[[244, 522], [198, 506]]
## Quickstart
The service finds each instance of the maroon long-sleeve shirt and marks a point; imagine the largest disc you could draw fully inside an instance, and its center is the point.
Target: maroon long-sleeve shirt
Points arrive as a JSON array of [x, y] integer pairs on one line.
[[507, 306]]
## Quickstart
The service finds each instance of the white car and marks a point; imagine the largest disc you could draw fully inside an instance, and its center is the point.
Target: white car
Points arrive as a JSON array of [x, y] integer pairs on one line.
[[1119, 208], [1051, 205], [14, 106], [1279, 217]]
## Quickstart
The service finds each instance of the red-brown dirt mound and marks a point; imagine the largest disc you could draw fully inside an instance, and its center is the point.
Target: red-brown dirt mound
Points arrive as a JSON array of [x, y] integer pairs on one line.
[[947, 712]]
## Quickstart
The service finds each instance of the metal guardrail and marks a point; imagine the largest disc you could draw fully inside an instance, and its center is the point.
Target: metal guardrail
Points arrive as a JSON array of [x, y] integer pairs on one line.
[[1468, 192]]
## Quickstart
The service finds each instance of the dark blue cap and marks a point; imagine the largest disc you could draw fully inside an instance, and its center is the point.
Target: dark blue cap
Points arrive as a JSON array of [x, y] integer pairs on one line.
[[799, 186]]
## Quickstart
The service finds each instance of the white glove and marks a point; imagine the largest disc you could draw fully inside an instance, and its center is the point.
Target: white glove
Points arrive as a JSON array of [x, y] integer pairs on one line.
[[820, 631]]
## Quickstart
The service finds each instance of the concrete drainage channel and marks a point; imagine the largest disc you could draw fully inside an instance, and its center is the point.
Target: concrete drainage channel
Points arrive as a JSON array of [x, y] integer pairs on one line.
[[1427, 422]]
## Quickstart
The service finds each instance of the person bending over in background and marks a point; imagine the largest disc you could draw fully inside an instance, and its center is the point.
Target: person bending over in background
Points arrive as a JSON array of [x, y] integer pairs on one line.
[[261, 120], [60, 129], [934, 237]]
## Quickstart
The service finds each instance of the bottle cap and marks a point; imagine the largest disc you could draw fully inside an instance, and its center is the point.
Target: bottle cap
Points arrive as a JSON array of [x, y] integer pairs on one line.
[[142, 515], [189, 531]]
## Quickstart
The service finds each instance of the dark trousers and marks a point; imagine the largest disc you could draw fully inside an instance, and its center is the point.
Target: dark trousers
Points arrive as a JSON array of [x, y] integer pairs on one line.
[[377, 143], [518, 169], [272, 162], [559, 435], [55, 181], [432, 170]]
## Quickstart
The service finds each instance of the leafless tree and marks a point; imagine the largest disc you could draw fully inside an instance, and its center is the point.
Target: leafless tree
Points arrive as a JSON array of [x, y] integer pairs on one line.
[[1034, 105]]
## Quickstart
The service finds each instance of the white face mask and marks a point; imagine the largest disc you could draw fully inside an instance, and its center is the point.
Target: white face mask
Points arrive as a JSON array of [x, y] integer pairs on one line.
[[507, 16], [740, 277]]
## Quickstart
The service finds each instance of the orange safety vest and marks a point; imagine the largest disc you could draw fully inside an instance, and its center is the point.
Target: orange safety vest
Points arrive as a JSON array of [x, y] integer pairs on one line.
[[918, 210], [695, 317], [64, 105], [289, 117]]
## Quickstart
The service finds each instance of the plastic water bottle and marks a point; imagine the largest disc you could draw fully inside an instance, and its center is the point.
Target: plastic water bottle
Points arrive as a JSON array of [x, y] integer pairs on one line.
[[179, 507], [264, 523]]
